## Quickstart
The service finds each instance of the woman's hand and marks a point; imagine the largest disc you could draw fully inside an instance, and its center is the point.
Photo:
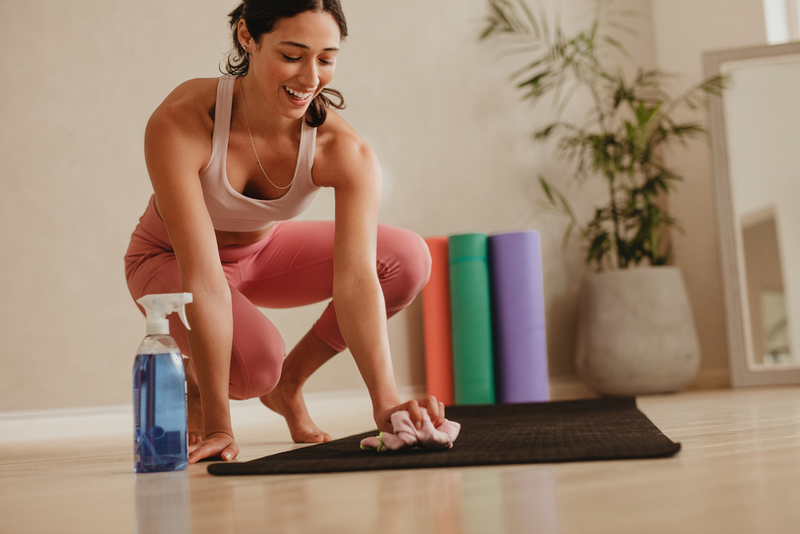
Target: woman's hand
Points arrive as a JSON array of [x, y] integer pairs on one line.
[[435, 410], [216, 444]]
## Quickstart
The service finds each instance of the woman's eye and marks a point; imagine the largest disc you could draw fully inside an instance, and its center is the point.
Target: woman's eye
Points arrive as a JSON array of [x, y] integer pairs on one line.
[[326, 62], [290, 58]]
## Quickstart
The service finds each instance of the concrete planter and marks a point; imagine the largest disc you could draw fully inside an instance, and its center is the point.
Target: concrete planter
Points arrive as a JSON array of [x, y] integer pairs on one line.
[[636, 333]]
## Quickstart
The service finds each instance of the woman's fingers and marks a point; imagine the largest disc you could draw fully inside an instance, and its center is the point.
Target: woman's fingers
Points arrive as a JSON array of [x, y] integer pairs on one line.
[[198, 452], [226, 448], [202, 450], [432, 405], [415, 413], [230, 452], [435, 410]]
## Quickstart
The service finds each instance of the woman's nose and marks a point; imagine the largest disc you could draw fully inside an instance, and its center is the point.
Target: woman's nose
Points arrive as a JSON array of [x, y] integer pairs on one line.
[[309, 75]]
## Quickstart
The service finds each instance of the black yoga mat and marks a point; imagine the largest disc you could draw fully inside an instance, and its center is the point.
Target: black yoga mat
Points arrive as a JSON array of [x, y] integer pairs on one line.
[[496, 434]]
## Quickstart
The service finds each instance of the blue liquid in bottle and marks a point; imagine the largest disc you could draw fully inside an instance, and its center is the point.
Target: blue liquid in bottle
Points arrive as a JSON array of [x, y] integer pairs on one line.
[[159, 407]]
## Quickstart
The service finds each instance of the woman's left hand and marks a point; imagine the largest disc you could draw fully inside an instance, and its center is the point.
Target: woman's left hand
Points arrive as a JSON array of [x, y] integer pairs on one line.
[[435, 410]]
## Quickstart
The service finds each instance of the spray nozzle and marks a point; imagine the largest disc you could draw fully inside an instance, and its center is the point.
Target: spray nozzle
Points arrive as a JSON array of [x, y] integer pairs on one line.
[[158, 306]]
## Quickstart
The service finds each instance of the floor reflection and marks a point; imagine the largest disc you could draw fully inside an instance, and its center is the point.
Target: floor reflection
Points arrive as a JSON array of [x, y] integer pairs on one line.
[[513, 499], [443, 501], [162, 503]]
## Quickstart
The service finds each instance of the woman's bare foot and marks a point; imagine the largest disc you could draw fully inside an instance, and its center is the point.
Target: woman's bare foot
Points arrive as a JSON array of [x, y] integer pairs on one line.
[[290, 404], [194, 406]]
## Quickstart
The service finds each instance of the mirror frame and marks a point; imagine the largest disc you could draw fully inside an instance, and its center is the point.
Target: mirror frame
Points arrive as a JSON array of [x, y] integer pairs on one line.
[[736, 316]]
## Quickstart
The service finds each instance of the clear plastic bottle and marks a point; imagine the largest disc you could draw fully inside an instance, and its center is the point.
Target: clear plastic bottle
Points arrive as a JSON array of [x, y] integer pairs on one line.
[[159, 391]]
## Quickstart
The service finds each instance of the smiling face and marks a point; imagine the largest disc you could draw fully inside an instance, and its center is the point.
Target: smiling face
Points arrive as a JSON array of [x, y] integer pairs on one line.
[[293, 63]]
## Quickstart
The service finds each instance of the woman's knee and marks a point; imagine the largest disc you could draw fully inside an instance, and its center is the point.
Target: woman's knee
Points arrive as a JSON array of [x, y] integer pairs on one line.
[[257, 353], [419, 262], [256, 368], [265, 378], [404, 265]]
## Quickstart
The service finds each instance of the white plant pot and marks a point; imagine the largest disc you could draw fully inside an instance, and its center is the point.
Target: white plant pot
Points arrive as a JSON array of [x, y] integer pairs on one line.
[[636, 332]]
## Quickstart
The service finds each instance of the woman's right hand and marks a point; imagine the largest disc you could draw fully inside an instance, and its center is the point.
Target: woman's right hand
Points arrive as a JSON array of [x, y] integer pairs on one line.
[[217, 444], [435, 409]]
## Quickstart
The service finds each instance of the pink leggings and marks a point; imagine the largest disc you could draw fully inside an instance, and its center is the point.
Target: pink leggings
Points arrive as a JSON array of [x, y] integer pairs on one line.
[[292, 266]]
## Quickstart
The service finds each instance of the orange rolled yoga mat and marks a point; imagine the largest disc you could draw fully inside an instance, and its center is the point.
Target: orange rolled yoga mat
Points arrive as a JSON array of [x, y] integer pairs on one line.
[[436, 324]]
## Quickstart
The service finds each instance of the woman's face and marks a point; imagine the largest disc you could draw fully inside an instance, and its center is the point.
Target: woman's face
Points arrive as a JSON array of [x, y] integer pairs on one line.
[[295, 61]]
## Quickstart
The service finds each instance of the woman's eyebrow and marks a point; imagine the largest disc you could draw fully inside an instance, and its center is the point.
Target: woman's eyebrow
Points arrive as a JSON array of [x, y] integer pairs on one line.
[[305, 47]]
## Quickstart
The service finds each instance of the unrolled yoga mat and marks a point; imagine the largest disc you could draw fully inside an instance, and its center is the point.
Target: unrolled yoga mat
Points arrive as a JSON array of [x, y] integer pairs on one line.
[[594, 429], [518, 315], [471, 315], [436, 324]]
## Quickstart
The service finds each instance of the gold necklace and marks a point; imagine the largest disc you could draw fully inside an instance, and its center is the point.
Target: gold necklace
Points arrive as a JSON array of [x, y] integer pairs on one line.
[[247, 122]]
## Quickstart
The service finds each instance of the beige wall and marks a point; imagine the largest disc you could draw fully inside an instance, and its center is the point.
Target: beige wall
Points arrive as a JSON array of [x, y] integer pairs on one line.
[[684, 30], [80, 78]]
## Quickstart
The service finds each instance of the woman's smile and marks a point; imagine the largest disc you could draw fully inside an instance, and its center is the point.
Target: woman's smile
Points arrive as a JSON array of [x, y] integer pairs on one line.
[[298, 97]]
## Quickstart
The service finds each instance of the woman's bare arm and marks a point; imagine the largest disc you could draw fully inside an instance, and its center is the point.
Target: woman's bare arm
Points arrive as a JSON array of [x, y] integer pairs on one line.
[[351, 168], [177, 146]]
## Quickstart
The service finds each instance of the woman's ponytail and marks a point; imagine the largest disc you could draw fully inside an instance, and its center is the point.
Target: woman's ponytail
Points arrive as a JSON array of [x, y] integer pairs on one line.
[[238, 63]]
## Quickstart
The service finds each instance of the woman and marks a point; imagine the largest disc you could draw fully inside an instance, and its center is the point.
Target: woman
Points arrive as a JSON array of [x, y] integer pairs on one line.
[[230, 161]]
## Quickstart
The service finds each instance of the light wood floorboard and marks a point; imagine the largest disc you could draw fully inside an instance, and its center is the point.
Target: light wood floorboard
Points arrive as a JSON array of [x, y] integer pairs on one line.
[[738, 472]]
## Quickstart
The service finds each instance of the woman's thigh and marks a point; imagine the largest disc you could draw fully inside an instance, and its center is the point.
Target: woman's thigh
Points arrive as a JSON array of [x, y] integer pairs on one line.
[[296, 267]]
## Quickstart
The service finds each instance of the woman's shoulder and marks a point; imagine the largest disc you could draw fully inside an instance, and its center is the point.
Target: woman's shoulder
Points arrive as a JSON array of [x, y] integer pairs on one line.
[[336, 138], [191, 104], [340, 147]]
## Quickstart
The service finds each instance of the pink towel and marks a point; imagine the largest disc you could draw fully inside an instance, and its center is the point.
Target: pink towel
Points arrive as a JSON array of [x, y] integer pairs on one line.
[[406, 434]]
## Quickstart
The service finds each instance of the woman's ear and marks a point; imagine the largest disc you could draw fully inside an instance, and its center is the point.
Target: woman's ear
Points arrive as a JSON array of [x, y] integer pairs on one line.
[[245, 39]]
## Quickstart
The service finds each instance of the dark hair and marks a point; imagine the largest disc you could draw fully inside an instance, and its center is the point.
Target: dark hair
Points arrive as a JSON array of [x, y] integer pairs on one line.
[[262, 16]]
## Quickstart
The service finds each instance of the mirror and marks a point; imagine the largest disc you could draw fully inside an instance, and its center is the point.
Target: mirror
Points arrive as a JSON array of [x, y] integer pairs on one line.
[[755, 141]]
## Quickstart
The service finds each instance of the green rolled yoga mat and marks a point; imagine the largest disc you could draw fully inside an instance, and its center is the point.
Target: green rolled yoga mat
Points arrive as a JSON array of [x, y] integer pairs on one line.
[[471, 313]]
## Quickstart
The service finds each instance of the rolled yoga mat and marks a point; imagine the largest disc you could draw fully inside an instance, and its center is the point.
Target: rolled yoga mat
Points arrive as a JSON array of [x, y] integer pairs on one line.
[[436, 324], [471, 316], [515, 260]]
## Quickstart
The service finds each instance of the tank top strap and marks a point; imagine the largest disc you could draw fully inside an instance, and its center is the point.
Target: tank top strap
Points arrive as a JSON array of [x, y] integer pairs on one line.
[[305, 157], [222, 118]]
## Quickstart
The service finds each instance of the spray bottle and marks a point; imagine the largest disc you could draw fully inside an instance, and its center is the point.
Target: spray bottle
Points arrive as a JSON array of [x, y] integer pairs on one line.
[[159, 390]]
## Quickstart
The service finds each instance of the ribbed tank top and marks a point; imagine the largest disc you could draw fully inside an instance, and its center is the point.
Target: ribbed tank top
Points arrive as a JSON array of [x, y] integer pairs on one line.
[[231, 211]]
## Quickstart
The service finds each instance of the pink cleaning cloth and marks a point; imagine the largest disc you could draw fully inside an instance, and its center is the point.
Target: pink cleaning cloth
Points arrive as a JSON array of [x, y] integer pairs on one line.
[[406, 434]]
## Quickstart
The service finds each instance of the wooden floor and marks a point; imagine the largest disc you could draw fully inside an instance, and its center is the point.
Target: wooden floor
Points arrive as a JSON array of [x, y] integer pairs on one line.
[[738, 472]]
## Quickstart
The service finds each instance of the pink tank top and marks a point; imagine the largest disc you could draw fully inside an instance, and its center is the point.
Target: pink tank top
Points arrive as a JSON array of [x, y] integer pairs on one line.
[[233, 212]]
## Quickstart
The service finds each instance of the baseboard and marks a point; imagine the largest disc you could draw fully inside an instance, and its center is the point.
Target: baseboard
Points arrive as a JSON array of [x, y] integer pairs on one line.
[[711, 379], [105, 421], [109, 421], [68, 423], [569, 387], [572, 387]]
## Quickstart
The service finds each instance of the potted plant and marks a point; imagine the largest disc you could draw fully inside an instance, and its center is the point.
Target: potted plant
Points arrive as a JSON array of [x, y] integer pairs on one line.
[[635, 332]]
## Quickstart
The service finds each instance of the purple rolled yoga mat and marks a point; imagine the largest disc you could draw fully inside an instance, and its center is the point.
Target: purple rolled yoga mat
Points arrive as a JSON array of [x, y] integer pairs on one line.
[[519, 322]]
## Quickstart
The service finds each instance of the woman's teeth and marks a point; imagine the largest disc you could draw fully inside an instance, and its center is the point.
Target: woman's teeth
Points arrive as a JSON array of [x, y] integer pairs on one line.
[[296, 94]]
